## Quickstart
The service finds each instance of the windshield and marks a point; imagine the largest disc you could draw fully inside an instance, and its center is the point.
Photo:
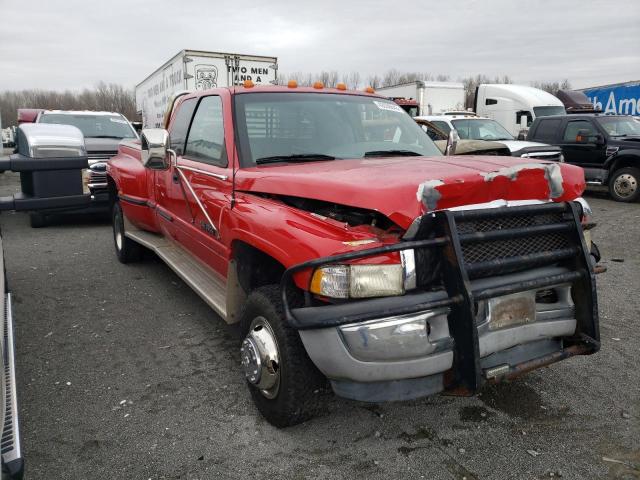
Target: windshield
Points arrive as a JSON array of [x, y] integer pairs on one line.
[[620, 126], [481, 129], [320, 125], [92, 126], [547, 111]]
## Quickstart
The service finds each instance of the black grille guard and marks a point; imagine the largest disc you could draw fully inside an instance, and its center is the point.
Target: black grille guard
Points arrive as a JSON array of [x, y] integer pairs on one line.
[[438, 232]]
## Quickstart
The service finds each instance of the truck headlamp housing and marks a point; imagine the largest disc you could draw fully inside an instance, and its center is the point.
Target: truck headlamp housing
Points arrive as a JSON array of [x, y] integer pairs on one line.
[[358, 281]]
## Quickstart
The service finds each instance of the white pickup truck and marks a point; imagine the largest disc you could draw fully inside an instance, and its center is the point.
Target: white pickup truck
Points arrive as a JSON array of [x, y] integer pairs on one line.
[[473, 127]]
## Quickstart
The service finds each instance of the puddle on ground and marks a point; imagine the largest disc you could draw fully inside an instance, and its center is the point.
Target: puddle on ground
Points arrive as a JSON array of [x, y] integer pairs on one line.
[[516, 399]]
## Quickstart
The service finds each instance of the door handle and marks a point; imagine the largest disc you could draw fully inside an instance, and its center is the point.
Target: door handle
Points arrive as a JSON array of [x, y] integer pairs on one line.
[[175, 177]]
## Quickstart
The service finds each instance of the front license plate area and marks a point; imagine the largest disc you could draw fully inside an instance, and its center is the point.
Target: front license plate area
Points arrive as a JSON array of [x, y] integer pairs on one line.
[[512, 310]]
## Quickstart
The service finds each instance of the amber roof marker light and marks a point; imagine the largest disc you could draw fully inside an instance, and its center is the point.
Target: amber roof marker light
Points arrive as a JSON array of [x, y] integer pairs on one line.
[[369, 90], [248, 84], [318, 85], [292, 84], [341, 86]]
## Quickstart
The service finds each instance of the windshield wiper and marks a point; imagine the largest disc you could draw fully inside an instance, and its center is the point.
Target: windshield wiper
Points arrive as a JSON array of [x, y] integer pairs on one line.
[[299, 157], [392, 153]]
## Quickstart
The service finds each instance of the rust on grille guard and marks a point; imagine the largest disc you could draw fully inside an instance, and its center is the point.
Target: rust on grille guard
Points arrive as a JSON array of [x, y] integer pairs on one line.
[[439, 233]]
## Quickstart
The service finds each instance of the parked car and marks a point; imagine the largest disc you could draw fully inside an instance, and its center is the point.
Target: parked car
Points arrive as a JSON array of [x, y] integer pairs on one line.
[[606, 146], [102, 132], [464, 146], [473, 127], [330, 227]]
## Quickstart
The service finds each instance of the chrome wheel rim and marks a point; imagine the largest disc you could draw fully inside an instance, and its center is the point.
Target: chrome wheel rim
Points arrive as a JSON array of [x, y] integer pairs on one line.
[[625, 185], [260, 358]]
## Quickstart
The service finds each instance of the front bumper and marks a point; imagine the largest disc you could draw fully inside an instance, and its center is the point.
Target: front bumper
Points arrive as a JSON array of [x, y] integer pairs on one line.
[[464, 351]]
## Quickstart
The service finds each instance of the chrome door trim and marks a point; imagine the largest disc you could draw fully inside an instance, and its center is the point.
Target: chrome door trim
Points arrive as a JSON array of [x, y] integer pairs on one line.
[[204, 211], [203, 172]]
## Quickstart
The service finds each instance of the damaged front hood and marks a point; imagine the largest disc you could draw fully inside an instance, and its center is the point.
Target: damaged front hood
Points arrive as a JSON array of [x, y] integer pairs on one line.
[[404, 188]]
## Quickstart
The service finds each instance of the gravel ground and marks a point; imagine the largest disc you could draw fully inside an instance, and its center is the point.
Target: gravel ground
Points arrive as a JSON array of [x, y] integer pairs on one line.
[[123, 372]]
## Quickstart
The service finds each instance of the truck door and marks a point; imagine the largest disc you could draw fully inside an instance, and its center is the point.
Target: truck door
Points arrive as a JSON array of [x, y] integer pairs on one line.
[[581, 151], [204, 178], [170, 202]]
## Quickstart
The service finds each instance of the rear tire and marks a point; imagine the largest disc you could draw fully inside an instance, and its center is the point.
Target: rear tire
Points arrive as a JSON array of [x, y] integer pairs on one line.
[[127, 250], [37, 220], [624, 184], [296, 396]]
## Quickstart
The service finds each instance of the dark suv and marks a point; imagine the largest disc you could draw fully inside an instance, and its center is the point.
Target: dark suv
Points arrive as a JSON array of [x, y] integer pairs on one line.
[[606, 146]]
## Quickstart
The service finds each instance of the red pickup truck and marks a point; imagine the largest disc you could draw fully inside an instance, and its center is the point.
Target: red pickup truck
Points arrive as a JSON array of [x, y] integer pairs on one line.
[[349, 248]]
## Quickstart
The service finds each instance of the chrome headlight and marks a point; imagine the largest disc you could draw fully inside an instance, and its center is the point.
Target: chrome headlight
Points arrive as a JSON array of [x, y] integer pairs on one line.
[[358, 281]]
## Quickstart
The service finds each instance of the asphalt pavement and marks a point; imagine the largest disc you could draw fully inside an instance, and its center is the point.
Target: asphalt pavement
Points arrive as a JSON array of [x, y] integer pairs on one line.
[[123, 372]]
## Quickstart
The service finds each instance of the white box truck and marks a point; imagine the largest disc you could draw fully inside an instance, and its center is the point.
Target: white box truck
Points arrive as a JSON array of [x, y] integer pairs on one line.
[[433, 97], [198, 70], [515, 107]]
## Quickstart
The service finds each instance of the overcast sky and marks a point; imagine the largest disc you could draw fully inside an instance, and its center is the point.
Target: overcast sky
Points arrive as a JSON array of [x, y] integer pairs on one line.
[[69, 44]]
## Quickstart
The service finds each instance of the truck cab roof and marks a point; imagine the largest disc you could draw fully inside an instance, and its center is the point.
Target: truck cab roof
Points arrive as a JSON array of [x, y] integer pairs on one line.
[[526, 94]]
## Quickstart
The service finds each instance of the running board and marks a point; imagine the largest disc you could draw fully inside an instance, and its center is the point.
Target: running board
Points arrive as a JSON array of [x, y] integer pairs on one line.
[[208, 284]]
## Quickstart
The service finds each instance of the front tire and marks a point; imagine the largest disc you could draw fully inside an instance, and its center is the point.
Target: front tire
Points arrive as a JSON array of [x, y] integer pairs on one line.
[[127, 250], [284, 383], [624, 184]]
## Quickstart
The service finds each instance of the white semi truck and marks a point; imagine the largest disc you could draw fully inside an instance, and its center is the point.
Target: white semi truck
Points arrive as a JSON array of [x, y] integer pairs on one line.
[[515, 107], [198, 70], [433, 97]]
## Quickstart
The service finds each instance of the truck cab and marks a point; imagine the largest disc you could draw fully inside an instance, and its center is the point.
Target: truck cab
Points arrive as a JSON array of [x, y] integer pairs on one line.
[[351, 252], [515, 107], [607, 147]]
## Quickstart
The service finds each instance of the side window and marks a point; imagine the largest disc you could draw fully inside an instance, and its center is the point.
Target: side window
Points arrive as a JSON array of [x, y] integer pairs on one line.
[[491, 101], [524, 113], [463, 127], [205, 142], [575, 126], [547, 130], [180, 125], [444, 126]]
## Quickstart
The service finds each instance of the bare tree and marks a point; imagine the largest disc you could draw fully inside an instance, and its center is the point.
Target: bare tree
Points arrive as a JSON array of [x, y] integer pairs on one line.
[[107, 97], [552, 87]]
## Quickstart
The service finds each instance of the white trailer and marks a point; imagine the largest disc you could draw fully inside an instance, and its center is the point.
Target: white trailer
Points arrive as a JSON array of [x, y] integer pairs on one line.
[[198, 70], [433, 97]]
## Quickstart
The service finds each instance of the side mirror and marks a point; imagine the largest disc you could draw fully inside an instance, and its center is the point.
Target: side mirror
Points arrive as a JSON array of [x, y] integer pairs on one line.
[[600, 139], [452, 142], [582, 136], [155, 148]]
